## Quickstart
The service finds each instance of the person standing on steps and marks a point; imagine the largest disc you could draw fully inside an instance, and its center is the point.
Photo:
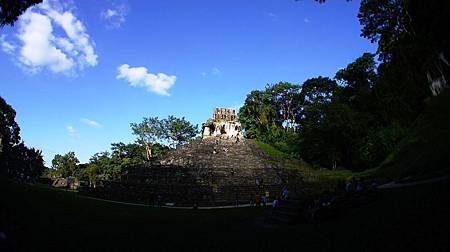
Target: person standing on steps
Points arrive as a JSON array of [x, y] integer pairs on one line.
[[285, 194], [275, 203]]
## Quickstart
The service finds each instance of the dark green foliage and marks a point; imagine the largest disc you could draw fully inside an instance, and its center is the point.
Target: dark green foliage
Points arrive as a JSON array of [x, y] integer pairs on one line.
[[9, 129], [412, 32], [65, 165], [103, 165], [352, 124], [24, 163], [10, 10], [272, 115], [16, 159], [425, 149]]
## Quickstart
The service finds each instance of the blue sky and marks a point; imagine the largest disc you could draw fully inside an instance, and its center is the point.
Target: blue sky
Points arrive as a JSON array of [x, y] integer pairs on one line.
[[79, 73]]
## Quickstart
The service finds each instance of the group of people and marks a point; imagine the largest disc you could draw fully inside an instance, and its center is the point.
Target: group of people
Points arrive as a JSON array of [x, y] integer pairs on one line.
[[260, 199], [352, 192], [285, 193], [358, 185]]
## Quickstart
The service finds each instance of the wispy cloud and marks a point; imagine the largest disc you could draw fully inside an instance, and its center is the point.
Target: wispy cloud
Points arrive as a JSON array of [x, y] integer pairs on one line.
[[50, 36], [271, 15], [91, 123], [215, 71], [159, 83], [115, 15], [71, 130], [306, 20], [7, 47]]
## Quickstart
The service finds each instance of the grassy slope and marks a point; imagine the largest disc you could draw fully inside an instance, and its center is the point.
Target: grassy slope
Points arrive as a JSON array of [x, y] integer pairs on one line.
[[37, 218], [321, 179], [425, 151]]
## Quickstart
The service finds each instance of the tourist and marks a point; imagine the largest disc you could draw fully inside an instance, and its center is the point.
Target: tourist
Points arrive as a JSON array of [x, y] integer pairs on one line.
[[348, 186], [359, 186], [285, 194], [263, 200], [275, 203], [258, 200]]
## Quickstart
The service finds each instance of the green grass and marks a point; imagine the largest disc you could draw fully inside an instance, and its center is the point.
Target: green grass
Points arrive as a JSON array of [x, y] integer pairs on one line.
[[39, 218], [272, 151], [319, 179]]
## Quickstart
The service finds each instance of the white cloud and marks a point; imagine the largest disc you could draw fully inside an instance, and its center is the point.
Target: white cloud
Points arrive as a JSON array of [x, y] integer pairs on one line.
[[38, 50], [159, 83], [91, 123], [115, 16], [306, 20], [71, 130], [7, 47], [50, 37]]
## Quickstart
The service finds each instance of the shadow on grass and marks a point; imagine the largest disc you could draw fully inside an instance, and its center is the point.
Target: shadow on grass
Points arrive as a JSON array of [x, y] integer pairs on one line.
[[39, 218]]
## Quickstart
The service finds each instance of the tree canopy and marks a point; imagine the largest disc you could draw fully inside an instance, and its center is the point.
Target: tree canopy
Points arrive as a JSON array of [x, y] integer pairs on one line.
[[172, 130], [16, 159], [10, 10]]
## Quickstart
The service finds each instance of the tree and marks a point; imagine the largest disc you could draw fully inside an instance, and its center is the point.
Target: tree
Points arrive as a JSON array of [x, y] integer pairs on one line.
[[10, 10], [16, 159], [149, 132], [153, 133], [412, 30], [9, 129], [286, 97], [65, 165], [24, 163], [178, 130]]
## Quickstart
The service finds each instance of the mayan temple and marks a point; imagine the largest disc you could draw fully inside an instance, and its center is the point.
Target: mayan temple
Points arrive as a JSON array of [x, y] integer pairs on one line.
[[223, 124], [220, 168]]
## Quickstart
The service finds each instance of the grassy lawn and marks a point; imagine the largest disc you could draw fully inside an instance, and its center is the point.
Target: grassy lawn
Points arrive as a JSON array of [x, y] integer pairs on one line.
[[38, 218]]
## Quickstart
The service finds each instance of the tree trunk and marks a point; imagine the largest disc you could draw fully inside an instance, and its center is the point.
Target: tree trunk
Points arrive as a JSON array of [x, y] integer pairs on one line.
[[148, 148]]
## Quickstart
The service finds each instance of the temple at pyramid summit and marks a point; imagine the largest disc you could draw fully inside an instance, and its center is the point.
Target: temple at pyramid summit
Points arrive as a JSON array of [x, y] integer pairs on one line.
[[224, 124]]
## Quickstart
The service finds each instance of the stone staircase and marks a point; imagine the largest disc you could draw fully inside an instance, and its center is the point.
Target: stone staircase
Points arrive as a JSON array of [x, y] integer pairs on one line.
[[209, 172], [226, 162]]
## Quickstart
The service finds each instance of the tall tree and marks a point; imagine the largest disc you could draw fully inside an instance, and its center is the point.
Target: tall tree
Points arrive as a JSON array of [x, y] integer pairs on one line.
[[414, 32], [149, 132], [65, 165], [178, 130], [9, 129], [286, 97]]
